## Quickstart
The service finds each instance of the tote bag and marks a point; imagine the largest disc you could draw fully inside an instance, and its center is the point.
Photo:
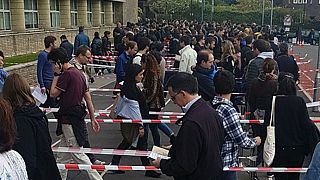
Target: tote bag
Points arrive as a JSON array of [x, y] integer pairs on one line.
[[269, 148]]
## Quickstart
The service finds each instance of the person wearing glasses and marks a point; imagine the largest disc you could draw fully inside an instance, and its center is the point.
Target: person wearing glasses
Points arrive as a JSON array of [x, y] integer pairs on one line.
[[80, 60], [70, 85], [197, 146]]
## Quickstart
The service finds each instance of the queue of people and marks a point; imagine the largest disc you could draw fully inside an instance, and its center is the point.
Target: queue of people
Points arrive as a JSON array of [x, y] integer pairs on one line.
[[210, 136]]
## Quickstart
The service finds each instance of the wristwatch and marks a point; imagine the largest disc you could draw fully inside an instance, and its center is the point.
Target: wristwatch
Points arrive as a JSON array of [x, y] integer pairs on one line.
[[57, 74]]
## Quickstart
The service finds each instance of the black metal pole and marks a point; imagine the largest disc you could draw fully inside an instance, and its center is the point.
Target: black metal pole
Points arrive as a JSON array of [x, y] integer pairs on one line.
[[316, 80]]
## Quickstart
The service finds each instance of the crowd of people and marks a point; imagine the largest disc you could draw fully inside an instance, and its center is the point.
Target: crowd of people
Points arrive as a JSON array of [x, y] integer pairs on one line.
[[211, 61]]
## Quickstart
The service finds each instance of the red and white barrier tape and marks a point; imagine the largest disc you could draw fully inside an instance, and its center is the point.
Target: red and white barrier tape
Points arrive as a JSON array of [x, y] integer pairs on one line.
[[101, 151], [118, 90], [160, 117], [105, 167], [152, 121], [307, 62], [265, 169], [104, 57], [108, 111], [148, 168], [98, 65]]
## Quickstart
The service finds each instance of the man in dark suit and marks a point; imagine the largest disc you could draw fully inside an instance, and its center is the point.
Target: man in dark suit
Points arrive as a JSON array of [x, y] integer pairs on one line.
[[195, 153]]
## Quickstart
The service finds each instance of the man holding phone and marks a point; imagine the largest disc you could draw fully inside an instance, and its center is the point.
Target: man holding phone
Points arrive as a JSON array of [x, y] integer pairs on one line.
[[70, 85]]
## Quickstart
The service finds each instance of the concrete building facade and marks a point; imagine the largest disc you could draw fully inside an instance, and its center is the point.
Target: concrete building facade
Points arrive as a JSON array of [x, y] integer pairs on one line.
[[25, 23]]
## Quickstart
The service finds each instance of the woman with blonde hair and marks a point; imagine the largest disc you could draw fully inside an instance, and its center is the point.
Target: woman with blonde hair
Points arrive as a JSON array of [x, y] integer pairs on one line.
[[33, 139], [228, 59]]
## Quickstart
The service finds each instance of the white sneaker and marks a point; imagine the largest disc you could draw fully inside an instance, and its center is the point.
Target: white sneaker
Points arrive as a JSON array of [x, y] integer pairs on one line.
[[270, 177], [98, 162]]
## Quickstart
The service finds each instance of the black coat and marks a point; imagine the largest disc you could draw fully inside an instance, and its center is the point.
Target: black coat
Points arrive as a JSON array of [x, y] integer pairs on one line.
[[196, 152], [68, 47], [96, 47], [205, 83], [260, 97], [292, 122], [287, 63], [34, 143]]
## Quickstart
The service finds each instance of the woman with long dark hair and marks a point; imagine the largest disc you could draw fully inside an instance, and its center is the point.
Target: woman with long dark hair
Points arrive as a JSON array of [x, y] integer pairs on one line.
[[33, 137], [11, 163], [132, 105], [292, 128], [153, 91]]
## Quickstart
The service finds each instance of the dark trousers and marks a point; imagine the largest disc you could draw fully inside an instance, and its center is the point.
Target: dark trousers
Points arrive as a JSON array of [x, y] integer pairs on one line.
[[153, 128], [129, 132], [291, 157], [142, 145], [154, 131], [228, 175]]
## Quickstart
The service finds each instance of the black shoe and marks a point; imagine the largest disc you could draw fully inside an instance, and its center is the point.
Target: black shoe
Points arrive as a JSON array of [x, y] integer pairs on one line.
[[116, 172], [152, 174]]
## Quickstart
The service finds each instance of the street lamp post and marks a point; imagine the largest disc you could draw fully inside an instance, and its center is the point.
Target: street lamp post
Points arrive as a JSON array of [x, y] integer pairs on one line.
[[212, 9], [262, 20], [271, 16], [202, 10], [316, 80]]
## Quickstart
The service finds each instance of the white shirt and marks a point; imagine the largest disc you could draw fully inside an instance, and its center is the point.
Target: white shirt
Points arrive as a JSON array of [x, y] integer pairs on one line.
[[187, 106], [12, 166], [188, 59], [137, 59]]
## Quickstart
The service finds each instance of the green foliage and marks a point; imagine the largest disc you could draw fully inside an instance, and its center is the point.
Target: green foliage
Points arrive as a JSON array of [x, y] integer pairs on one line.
[[10, 61], [243, 11]]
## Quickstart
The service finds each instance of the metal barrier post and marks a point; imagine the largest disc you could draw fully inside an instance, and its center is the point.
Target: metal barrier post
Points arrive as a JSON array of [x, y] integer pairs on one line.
[[316, 80]]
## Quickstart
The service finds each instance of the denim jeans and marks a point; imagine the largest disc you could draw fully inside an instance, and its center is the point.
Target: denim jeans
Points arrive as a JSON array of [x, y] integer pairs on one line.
[[165, 129], [313, 172]]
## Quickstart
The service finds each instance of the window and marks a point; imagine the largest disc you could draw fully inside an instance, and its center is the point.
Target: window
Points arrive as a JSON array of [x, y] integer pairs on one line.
[[102, 14], [4, 15], [295, 1], [89, 12], [74, 13], [55, 13], [31, 13], [305, 1]]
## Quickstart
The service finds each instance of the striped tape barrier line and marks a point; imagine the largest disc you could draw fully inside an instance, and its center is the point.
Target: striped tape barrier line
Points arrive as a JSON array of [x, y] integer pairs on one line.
[[152, 168], [105, 167], [108, 111], [101, 151], [266, 169], [151, 121]]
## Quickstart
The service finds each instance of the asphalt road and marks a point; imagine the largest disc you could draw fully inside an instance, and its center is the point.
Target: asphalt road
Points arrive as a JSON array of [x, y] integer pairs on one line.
[[110, 136]]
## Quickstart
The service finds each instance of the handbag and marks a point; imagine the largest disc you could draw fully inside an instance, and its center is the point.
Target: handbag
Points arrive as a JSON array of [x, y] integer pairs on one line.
[[269, 148]]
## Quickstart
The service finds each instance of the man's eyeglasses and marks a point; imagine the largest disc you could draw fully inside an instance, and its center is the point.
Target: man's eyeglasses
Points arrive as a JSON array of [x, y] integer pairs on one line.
[[88, 57], [173, 98]]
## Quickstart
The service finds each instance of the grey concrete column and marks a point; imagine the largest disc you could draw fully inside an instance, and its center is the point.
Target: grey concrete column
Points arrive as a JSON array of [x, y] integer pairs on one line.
[[44, 14], [96, 9], [130, 11], [108, 12], [17, 15], [65, 15], [82, 13]]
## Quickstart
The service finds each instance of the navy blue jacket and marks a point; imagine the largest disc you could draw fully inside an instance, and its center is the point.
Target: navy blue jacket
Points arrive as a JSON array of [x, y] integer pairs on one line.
[[44, 70], [81, 39]]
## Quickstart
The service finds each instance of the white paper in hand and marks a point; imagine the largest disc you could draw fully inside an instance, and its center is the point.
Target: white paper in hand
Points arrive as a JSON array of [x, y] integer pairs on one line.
[[36, 93], [158, 152]]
